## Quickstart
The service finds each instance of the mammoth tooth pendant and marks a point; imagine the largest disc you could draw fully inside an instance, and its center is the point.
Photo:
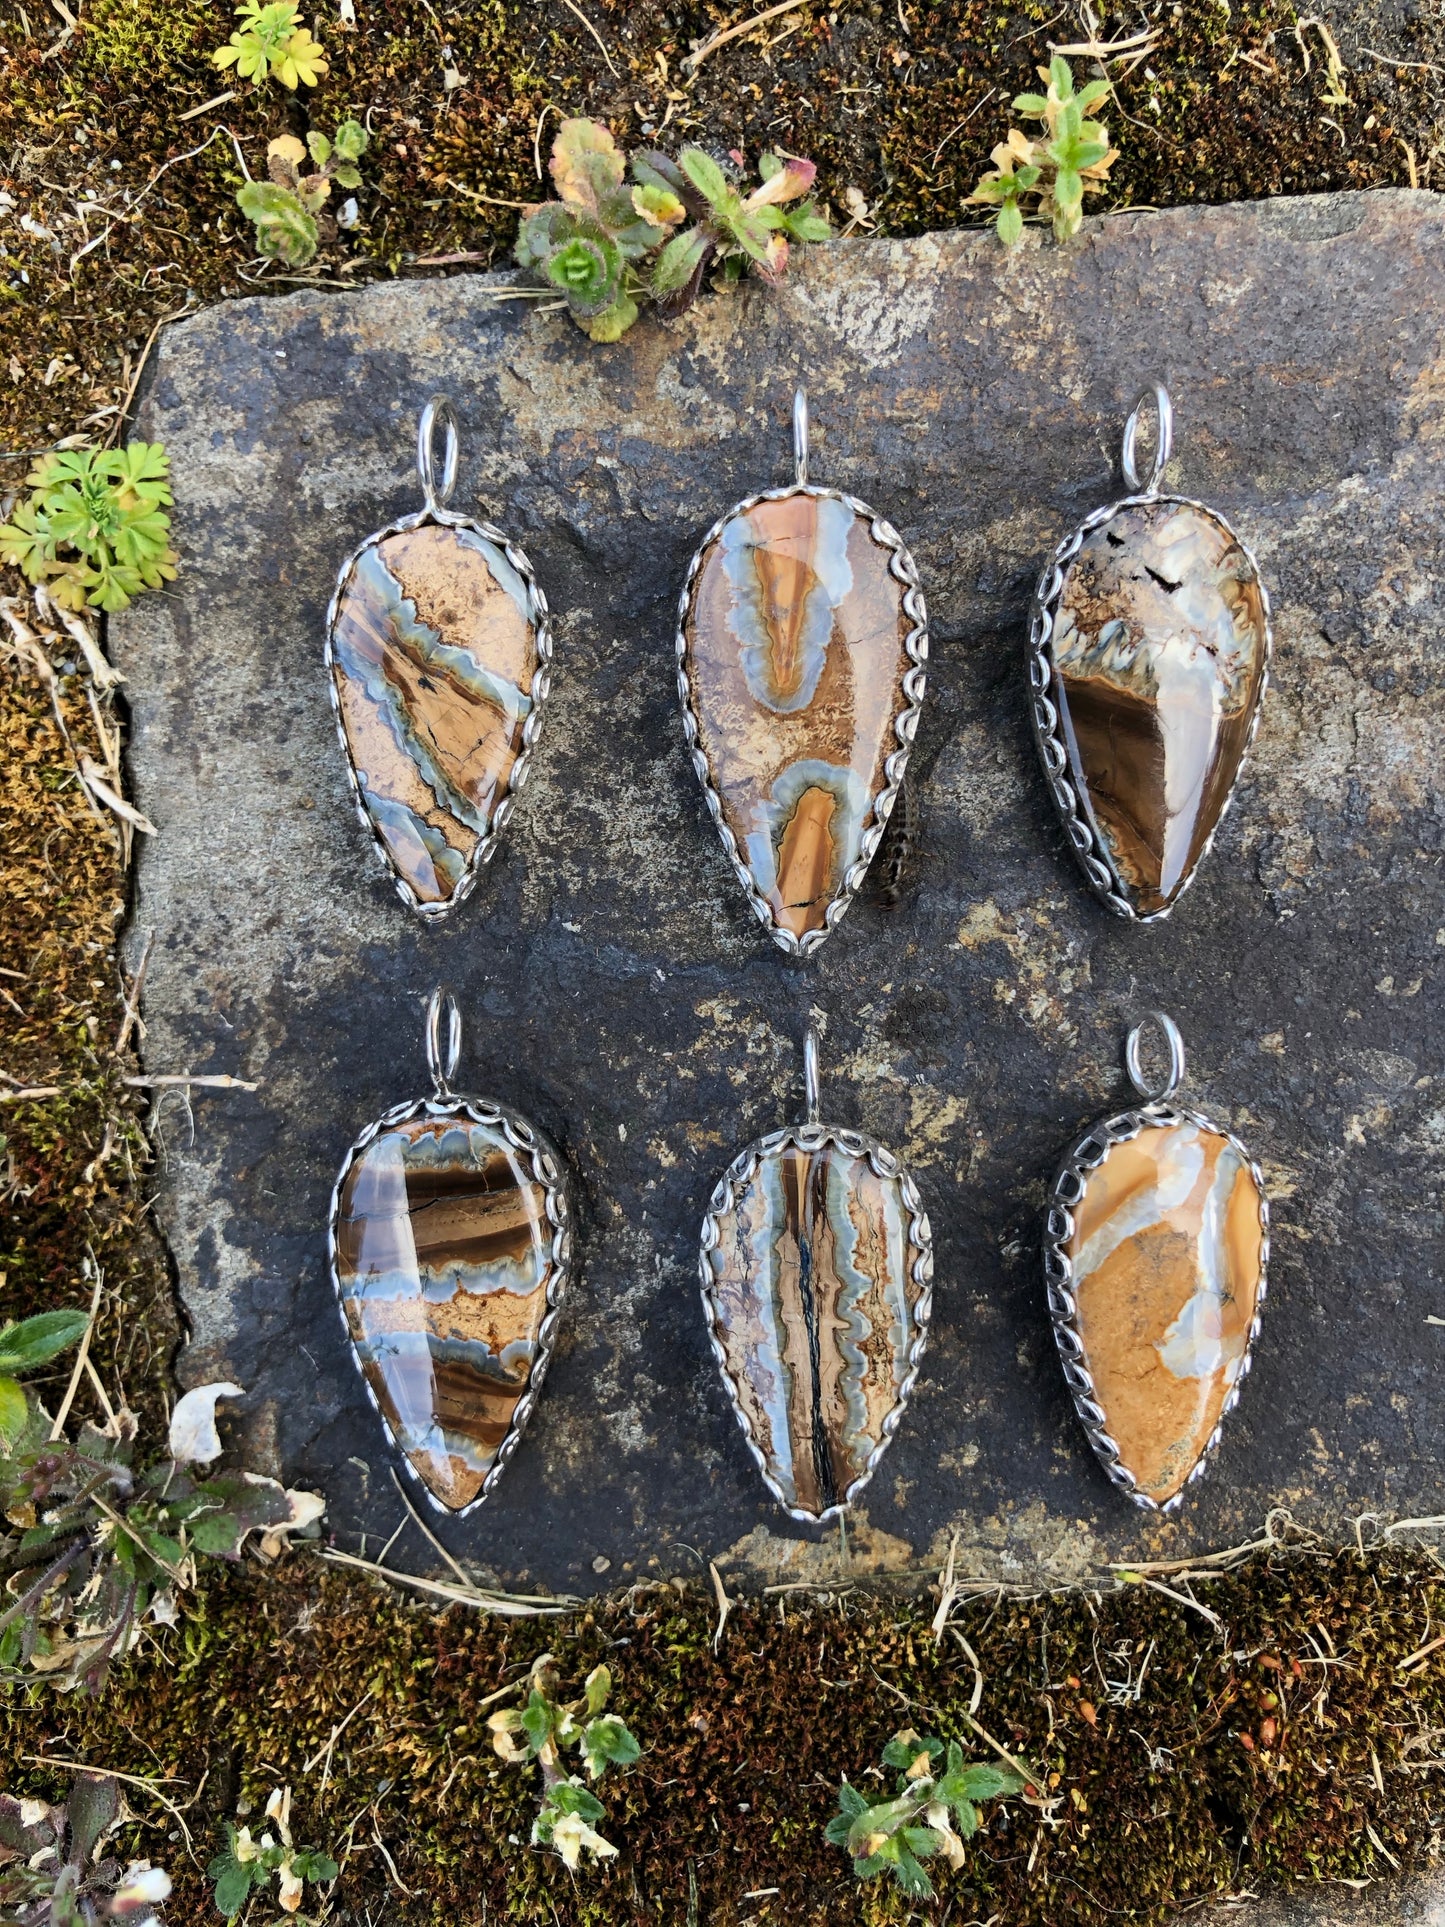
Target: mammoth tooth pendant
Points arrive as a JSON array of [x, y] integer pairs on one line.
[[1148, 657], [1155, 1248], [816, 1270], [450, 1245], [438, 652], [801, 644]]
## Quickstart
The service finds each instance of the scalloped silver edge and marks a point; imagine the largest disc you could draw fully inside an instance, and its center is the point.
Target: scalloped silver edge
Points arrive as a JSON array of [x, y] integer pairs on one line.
[[1071, 800], [540, 618], [912, 683], [1084, 1156], [814, 1137], [548, 1170]]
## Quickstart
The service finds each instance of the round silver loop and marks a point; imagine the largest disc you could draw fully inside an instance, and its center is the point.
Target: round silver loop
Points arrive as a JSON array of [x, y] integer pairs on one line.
[[1163, 443], [437, 410], [811, 1073], [1155, 1093], [443, 1066], [800, 436]]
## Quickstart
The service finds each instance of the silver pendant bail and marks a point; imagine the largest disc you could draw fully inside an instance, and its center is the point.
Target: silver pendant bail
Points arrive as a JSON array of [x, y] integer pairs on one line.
[[443, 1067], [800, 436], [1163, 443], [811, 1075], [1162, 1092], [437, 411]]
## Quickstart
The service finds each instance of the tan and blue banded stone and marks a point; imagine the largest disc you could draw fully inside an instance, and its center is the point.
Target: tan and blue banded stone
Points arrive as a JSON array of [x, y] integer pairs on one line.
[[433, 654], [443, 1259], [1160, 646], [795, 654], [1167, 1260], [816, 1308]]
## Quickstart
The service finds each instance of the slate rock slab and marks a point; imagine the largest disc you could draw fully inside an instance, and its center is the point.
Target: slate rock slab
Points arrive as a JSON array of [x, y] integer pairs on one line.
[[617, 988]]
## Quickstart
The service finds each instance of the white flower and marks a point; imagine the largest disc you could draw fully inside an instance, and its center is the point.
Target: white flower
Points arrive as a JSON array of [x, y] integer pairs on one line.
[[571, 1834], [142, 1886], [244, 1847], [194, 1438], [290, 1894]]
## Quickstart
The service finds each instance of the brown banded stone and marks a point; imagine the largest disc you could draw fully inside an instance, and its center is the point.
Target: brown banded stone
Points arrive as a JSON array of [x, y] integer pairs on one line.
[[1160, 644], [433, 654], [817, 1310], [795, 656], [443, 1259], [1167, 1260]]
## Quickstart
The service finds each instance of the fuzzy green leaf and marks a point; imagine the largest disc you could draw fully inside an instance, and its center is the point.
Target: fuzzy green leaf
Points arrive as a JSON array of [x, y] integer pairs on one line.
[[1033, 106], [351, 140], [607, 1742], [705, 174], [35, 1341], [284, 230], [13, 1412], [233, 1883], [1010, 223], [318, 147], [613, 322]]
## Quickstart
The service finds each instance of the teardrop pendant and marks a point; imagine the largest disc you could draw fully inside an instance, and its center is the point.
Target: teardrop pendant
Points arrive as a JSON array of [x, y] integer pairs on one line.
[[1148, 657], [450, 1244], [438, 658], [1156, 1243], [816, 1271], [802, 640]]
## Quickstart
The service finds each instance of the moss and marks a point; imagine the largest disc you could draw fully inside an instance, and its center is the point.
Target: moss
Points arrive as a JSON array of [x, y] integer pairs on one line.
[[1241, 1759]]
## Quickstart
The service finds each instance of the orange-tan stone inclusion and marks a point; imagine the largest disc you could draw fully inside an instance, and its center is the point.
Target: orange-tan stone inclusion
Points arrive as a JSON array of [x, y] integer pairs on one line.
[[1166, 1255], [1159, 642], [443, 1258], [795, 653], [433, 654]]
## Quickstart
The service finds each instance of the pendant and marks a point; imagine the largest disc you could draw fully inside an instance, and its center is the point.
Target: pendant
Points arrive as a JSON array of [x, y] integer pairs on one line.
[[1155, 1247], [450, 1243], [816, 1270], [1148, 656], [802, 640], [438, 657]]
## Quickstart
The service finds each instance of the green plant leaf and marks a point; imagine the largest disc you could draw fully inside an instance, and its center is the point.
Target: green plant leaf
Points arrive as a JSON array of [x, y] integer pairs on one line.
[[1091, 95], [346, 175], [284, 229], [1032, 106], [586, 269], [538, 1720], [570, 1796], [596, 1689], [215, 1535], [1010, 223], [675, 264], [35, 1341], [705, 174], [318, 147], [1061, 77], [585, 163], [351, 140], [613, 322], [13, 1412], [233, 1883], [607, 1742]]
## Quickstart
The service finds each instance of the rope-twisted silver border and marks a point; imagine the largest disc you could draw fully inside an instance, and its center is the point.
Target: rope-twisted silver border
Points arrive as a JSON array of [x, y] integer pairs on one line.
[[538, 615], [739, 1174], [549, 1172], [1084, 1156], [912, 684], [1071, 799]]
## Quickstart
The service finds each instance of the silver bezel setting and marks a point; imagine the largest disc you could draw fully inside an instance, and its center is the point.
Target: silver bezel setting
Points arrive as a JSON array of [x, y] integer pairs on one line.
[[547, 1169], [912, 684], [538, 615], [1084, 1157], [1070, 798], [739, 1174]]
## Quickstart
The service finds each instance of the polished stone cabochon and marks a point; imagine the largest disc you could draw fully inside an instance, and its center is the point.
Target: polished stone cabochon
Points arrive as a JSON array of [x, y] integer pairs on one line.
[[795, 654], [1160, 644], [1167, 1262], [443, 1260], [433, 654], [818, 1314]]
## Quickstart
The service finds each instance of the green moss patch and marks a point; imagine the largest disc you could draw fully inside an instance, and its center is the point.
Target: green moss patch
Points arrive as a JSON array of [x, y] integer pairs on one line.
[[1280, 1731]]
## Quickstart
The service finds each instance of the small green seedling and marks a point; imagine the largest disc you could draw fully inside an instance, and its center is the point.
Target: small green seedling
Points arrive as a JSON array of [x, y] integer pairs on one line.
[[288, 210], [935, 1809], [546, 1727], [271, 43], [93, 528], [248, 1864], [1050, 176], [25, 1348]]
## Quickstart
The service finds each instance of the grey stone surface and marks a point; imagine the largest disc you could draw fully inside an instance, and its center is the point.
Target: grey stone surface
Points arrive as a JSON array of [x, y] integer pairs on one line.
[[1386, 1903], [616, 986]]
